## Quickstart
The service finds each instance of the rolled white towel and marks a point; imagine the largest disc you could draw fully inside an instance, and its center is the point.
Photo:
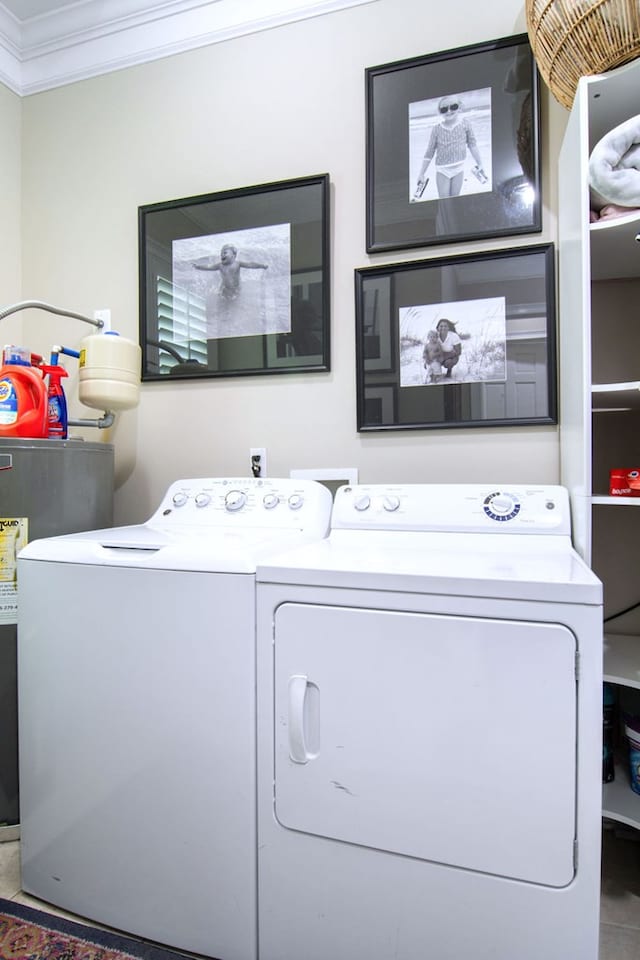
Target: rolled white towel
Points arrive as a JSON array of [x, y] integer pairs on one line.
[[614, 165]]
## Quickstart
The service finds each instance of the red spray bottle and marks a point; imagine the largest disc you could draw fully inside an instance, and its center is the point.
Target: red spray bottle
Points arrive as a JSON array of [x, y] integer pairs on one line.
[[56, 400]]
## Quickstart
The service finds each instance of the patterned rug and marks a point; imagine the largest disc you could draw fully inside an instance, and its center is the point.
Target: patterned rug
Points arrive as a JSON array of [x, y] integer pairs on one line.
[[27, 934]]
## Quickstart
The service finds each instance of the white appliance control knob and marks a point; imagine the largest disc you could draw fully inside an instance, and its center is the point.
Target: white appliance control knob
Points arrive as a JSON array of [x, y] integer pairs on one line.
[[363, 502], [179, 499], [295, 501], [391, 503], [235, 500], [502, 504], [202, 499], [270, 501]]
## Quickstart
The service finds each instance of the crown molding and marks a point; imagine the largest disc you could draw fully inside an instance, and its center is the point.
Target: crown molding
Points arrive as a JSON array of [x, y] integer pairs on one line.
[[77, 42]]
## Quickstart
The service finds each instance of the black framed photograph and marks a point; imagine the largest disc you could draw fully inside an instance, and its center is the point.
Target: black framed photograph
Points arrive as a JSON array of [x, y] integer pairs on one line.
[[236, 283], [472, 341], [453, 146]]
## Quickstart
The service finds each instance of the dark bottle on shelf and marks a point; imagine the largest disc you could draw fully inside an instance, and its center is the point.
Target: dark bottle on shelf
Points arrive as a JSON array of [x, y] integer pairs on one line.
[[608, 726]]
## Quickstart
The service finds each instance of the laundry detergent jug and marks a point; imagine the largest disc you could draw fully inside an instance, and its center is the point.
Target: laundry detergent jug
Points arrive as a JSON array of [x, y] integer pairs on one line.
[[23, 399]]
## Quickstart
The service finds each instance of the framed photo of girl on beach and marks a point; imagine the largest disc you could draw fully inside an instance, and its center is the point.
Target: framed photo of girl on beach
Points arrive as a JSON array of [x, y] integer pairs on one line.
[[453, 146], [472, 341]]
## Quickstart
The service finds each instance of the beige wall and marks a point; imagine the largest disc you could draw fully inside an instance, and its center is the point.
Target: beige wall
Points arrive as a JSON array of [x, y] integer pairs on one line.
[[284, 103], [10, 214]]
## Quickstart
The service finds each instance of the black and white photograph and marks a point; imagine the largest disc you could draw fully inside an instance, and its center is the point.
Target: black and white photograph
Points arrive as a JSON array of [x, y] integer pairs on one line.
[[453, 146], [237, 282], [461, 342], [450, 146], [242, 279], [472, 341]]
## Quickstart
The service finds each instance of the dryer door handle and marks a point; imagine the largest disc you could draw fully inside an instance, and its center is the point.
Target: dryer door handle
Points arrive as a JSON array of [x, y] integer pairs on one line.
[[303, 713]]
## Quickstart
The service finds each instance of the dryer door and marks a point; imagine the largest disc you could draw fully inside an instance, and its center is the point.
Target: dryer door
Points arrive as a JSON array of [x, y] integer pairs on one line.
[[450, 739]]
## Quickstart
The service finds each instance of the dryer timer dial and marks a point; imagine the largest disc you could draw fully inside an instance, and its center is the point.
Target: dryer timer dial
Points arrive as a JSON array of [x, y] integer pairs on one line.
[[501, 506]]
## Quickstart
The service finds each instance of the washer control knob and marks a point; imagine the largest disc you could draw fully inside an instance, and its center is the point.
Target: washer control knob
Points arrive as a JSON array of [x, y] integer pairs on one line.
[[270, 501], [363, 502], [202, 499], [179, 499], [235, 500], [295, 501], [391, 503]]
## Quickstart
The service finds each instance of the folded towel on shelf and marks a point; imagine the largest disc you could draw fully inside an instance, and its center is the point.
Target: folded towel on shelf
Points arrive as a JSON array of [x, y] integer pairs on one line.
[[614, 166]]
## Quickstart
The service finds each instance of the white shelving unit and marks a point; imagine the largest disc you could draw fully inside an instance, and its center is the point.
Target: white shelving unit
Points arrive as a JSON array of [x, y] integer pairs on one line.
[[599, 309]]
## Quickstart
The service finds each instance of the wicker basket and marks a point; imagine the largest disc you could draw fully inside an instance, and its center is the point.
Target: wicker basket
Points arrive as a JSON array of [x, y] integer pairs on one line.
[[577, 38]]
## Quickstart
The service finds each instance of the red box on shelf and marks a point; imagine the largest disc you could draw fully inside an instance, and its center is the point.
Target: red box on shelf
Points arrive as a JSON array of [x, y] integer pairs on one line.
[[624, 482]]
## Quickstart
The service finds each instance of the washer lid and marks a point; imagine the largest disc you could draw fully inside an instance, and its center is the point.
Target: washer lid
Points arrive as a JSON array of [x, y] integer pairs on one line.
[[525, 567], [220, 551]]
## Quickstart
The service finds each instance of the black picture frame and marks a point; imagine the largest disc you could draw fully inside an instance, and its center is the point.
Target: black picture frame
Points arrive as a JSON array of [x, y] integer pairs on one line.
[[499, 315], [236, 283], [495, 90]]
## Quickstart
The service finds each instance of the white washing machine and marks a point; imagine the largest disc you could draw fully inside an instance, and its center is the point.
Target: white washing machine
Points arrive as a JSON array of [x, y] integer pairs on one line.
[[136, 650], [429, 732]]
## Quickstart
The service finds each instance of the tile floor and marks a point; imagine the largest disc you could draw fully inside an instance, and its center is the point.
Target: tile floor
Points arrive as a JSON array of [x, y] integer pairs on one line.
[[620, 904], [620, 900]]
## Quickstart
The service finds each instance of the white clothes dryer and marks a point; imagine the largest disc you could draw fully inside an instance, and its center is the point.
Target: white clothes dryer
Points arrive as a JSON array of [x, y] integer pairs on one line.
[[429, 731], [136, 650]]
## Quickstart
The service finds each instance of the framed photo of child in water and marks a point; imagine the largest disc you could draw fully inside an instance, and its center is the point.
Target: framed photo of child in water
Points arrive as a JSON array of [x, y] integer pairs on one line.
[[236, 283], [472, 341], [453, 146]]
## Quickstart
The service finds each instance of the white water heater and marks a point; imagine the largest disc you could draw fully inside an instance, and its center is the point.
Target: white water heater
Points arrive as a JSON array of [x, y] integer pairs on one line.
[[47, 488]]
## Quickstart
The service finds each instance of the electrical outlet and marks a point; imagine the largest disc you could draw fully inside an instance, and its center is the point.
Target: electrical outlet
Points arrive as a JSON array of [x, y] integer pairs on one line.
[[105, 316], [258, 461]]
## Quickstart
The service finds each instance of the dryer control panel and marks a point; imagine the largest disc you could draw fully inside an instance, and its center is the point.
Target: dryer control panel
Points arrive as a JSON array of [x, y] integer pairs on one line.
[[473, 508]]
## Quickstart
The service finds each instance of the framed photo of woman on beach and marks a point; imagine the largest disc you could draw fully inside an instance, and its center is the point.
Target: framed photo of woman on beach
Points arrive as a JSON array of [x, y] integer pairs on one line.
[[453, 146], [472, 342], [237, 282]]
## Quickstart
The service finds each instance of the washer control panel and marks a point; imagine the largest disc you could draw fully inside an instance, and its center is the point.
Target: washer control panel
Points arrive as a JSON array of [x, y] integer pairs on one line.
[[244, 502], [453, 507]]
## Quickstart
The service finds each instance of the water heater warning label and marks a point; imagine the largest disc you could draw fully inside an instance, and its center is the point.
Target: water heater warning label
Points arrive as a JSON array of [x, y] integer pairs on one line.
[[13, 537]]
